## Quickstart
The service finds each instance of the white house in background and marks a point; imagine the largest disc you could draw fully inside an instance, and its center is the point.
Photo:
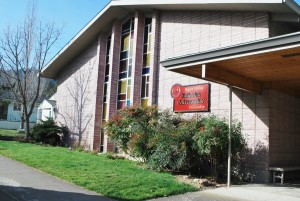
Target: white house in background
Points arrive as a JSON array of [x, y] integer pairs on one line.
[[10, 116], [46, 110]]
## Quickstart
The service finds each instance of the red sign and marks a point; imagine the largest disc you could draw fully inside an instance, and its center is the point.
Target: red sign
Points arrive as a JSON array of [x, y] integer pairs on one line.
[[193, 98]]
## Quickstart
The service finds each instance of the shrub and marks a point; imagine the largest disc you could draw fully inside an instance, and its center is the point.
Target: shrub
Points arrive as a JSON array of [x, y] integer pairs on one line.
[[166, 141], [173, 144], [163, 139], [212, 142], [133, 128], [48, 132], [169, 150]]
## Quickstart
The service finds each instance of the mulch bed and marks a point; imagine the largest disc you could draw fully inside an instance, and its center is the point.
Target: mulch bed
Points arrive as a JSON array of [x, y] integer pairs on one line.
[[200, 183]]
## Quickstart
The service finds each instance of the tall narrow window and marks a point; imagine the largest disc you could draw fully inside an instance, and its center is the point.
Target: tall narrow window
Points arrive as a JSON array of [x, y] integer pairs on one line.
[[105, 92], [146, 62], [125, 64]]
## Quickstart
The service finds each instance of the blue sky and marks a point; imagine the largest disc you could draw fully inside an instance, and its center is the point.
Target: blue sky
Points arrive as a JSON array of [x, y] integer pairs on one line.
[[73, 14]]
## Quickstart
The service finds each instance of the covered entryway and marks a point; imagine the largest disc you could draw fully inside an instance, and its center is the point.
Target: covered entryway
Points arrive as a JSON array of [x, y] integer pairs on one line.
[[270, 67]]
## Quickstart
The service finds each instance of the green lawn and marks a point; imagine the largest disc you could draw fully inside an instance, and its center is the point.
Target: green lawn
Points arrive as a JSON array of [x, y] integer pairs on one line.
[[10, 133], [119, 179]]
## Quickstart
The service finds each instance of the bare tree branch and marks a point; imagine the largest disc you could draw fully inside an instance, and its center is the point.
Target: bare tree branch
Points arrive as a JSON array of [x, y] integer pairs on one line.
[[23, 54]]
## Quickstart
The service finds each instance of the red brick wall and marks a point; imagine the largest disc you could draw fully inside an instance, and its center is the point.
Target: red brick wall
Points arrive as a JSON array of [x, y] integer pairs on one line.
[[137, 59], [114, 67], [154, 63], [99, 94], [114, 77]]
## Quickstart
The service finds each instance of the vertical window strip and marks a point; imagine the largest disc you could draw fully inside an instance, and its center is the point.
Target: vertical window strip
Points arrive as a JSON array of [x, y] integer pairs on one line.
[[146, 62], [105, 91], [125, 68]]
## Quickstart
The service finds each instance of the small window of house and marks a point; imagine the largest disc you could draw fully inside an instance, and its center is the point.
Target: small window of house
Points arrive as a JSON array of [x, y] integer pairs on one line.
[[17, 107]]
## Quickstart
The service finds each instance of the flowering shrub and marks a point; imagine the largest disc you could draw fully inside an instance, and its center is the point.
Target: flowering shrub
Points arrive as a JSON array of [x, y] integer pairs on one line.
[[134, 128]]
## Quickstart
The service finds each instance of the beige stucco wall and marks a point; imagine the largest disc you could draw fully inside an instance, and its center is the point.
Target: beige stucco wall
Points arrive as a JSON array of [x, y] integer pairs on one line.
[[78, 81], [284, 129], [185, 33]]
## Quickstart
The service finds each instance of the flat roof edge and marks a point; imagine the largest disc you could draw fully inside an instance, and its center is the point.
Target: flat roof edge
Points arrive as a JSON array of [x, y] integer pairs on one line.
[[165, 2]]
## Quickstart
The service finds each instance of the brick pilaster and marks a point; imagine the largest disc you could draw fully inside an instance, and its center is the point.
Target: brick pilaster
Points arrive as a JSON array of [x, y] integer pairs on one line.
[[114, 68], [113, 77], [137, 60], [154, 63], [99, 93]]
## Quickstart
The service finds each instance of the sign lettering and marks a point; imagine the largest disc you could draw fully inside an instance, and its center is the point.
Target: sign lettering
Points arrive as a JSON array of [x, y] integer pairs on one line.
[[192, 98]]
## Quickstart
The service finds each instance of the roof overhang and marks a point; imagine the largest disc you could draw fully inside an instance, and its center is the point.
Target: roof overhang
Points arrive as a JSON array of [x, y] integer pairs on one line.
[[276, 6], [269, 63], [119, 9]]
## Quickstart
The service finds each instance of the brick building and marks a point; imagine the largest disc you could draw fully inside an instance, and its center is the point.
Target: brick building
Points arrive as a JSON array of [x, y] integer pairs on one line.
[[134, 51]]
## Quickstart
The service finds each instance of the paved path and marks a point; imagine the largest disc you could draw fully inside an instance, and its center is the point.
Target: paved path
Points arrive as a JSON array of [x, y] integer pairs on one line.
[[22, 183], [250, 192]]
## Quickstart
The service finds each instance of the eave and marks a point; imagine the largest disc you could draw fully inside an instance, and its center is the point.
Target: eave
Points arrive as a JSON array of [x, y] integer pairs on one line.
[[269, 63], [118, 9]]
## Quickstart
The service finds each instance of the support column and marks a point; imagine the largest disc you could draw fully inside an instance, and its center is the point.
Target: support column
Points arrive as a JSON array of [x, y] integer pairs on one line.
[[154, 60], [114, 77], [137, 61], [99, 93], [229, 137], [114, 68]]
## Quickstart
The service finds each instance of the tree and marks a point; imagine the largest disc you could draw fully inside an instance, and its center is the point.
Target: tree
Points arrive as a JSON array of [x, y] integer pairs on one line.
[[24, 51]]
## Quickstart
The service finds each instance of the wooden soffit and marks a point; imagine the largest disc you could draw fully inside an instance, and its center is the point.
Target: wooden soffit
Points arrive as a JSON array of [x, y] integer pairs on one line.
[[254, 71]]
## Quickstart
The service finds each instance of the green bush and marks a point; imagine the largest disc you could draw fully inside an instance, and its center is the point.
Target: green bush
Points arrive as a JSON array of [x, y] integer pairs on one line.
[[167, 141], [47, 132], [212, 142], [134, 128], [169, 150], [173, 144]]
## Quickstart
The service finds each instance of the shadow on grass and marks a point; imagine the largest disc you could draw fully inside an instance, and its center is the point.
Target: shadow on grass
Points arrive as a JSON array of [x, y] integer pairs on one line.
[[7, 138], [13, 138]]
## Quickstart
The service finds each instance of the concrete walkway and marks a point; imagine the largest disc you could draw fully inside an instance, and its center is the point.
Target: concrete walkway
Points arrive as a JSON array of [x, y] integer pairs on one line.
[[250, 192], [22, 183]]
